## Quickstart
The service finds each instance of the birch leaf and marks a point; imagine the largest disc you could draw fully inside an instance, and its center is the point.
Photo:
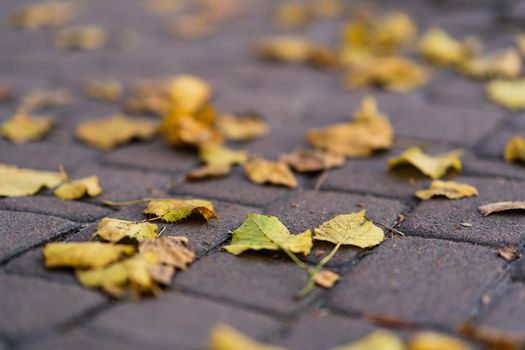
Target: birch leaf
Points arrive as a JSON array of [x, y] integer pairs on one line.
[[440, 48], [77, 189], [515, 150], [213, 154], [285, 49], [434, 166], [171, 251], [241, 128], [223, 337], [16, 182], [80, 38], [376, 340], [436, 341], [115, 130], [305, 161], [449, 189], [208, 172], [350, 229], [326, 278], [189, 93], [497, 207], [109, 91], [504, 64], [114, 230], [267, 232], [173, 210], [22, 128], [508, 93], [84, 254], [261, 171]]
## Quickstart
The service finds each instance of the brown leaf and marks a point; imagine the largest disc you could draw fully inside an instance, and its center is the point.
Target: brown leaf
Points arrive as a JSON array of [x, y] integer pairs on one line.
[[208, 172], [171, 251], [5, 93], [494, 339], [496, 207], [241, 128], [312, 160], [42, 99], [508, 252], [326, 278], [106, 91], [262, 171], [80, 38], [515, 150]]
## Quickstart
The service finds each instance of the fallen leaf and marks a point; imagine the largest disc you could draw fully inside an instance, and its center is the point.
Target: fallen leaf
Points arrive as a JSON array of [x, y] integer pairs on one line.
[[5, 93], [520, 43], [267, 232], [22, 128], [515, 150], [440, 48], [192, 26], [43, 14], [208, 172], [376, 340], [284, 49], [493, 338], [327, 8], [508, 252], [80, 38], [368, 132], [504, 64], [434, 166], [171, 251], [115, 130], [305, 161], [326, 278], [350, 229], [173, 210], [84, 254], [291, 15], [106, 91], [449, 189], [262, 171], [114, 230], [213, 154], [508, 93], [182, 129], [428, 340], [189, 93], [77, 189], [42, 99], [16, 182], [223, 337], [497, 207], [241, 128]]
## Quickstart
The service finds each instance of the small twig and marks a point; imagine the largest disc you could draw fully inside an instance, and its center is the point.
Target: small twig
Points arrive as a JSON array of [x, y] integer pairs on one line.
[[320, 180], [391, 229], [161, 231], [132, 202]]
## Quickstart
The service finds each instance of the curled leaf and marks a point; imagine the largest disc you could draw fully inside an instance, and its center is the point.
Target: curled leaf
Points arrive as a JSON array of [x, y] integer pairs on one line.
[[189, 93], [105, 91], [173, 210], [497, 207], [171, 251], [77, 189], [449, 189], [508, 93], [440, 48], [515, 150], [213, 154], [208, 172], [241, 128], [434, 166], [16, 182], [114, 230], [428, 340], [84, 254], [376, 340], [508, 252], [22, 127], [223, 337], [285, 49], [80, 38], [326, 278], [261, 171], [504, 64], [305, 161]]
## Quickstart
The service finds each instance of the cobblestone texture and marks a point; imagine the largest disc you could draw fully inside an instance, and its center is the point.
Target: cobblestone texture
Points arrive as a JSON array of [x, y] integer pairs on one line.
[[440, 274]]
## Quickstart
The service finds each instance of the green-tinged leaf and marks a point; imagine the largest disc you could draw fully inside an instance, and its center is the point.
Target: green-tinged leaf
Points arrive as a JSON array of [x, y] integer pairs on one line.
[[377, 340], [214, 154], [84, 254], [173, 210], [113, 230]]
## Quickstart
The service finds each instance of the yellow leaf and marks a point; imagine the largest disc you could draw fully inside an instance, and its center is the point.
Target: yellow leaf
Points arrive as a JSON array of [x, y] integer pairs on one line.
[[80, 38], [285, 49], [327, 8], [224, 337], [292, 15], [376, 340], [261, 171], [508, 93], [267, 232], [187, 130], [16, 182], [440, 48], [370, 131], [79, 188], [192, 26], [173, 210], [504, 64], [171, 251], [434, 166], [41, 99], [449, 189], [213, 154], [84, 254], [42, 14], [515, 150], [208, 172], [114, 230], [326, 278], [241, 128], [350, 229], [22, 128], [312, 160], [105, 91], [189, 93], [115, 130], [436, 341], [520, 43]]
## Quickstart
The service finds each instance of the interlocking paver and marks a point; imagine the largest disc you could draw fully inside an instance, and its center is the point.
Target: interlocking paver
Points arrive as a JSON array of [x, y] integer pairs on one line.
[[87, 339], [494, 145], [507, 313]]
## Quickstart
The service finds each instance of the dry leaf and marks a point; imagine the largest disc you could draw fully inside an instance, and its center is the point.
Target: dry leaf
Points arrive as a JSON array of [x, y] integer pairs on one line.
[[115, 130], [449, 189], [261, 171], [106, 91], [326, 278], [193, 26], [520, 43], [376, 340], [267, 232], [77, 189], [42, 99], [508, 252], [5, 93], [494, 339], [223, 337], [241, 128], [16, 182], [208, 172], [173, 210], [368, 132], [440, 48], [436, 341], [189, 93], [114, 230], [43, 14], [22, 128], [515, 150], [497, 207], [189, 131], [504, 64], [284, 49], [327, 8], [291, 15], [171, 251], [350, 229], [508, 93], [84, 254], [80, 38], [305, 161], [212, 154], [434, 166]]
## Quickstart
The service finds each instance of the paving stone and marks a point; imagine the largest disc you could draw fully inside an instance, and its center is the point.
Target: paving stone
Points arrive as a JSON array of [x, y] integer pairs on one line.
[[86, 339], [263, 280], [494, 145], [425, 281], [72, 210], [442, 218], [313, 331], [476, 166], [453, 89], [24, 311], [519, 272], [308, 209], [507, 313], [178, 321], [20, 231]]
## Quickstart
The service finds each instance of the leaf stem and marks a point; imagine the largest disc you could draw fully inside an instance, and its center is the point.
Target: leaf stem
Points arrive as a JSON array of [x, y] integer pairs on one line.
[[132, 202], [296, 260]]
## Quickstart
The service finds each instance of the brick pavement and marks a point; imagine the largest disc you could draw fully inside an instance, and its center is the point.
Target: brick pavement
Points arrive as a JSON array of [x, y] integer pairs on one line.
[[437, 276]]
